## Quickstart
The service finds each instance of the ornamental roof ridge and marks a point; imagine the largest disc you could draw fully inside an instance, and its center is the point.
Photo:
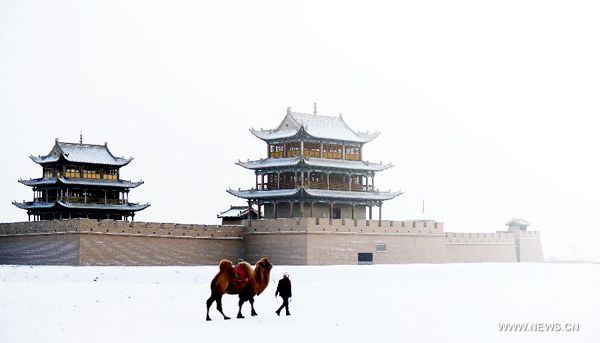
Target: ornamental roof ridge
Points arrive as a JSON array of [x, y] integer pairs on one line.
[[105, 146], [315, 125]]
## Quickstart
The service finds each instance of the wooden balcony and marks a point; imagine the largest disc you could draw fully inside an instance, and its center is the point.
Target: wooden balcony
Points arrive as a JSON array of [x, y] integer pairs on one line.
[[92, 200]]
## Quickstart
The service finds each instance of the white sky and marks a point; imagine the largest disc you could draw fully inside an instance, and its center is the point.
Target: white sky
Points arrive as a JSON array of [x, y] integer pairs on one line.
[[487, 109]]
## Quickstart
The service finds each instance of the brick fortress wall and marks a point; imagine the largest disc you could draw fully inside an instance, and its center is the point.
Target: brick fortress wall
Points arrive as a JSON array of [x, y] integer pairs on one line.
[[293, 241], [108, 242]]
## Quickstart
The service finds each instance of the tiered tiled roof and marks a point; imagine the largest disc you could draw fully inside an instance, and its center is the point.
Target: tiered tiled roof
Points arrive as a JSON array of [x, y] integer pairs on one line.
[[317, 126], [82, 153]]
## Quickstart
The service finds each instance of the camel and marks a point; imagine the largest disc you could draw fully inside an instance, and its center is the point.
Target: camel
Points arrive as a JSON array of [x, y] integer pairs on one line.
[[225, 282]]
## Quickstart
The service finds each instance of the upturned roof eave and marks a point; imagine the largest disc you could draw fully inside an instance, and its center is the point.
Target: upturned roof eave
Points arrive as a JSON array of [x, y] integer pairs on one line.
[[98, 207], [313, 193], [104, 207], [301, 160], [81, 182], [42, 160]]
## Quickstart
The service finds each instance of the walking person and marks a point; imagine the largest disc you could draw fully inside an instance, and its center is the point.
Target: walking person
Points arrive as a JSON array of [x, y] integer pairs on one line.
[[284, 289]]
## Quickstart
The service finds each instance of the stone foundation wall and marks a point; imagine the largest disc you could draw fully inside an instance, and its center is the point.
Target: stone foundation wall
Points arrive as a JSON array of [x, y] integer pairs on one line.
[[343, 248], [58, 250]]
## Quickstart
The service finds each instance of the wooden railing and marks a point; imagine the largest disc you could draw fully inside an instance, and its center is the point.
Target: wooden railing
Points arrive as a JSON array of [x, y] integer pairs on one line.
[[93, 200], [334, 186]]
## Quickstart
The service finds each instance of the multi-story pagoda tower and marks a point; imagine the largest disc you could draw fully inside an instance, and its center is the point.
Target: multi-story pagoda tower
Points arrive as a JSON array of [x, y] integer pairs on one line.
[[80, 181], [314, 168]]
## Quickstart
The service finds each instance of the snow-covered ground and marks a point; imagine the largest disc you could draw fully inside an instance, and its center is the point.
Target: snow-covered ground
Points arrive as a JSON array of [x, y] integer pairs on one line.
[[384, 303]]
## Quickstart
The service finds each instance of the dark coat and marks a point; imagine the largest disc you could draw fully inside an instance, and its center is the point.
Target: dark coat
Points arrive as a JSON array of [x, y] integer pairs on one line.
[[284, 288]]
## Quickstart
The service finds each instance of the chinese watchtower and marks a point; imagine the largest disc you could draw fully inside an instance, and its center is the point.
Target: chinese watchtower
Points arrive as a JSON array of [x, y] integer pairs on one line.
[[80, 181], [314, 168]]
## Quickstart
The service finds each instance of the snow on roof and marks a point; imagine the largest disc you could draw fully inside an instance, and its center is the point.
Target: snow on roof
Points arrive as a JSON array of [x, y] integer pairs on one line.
[[316, 162], [82, 153], [85, 182], [33, 205], [234, 212], [128, 207], [317, 193], [518, 222], [325, 127], [123, 207]]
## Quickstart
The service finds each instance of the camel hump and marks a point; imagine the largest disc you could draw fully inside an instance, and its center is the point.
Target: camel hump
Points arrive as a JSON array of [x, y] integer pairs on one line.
[[224, 265], [247, 267]]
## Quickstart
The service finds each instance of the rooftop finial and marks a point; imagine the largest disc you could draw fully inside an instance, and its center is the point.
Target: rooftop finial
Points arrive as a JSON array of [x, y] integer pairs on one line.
[[80, 137], [289, 110], [315, 108]]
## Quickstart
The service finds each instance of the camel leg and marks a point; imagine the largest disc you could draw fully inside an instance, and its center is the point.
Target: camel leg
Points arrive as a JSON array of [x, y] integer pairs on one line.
[[242, 301], [252, 305], [220, 307], [208, 304]]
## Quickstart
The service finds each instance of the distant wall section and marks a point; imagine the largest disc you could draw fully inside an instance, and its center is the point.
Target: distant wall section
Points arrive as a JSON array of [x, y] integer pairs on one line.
[[528, 246], [480, 247]]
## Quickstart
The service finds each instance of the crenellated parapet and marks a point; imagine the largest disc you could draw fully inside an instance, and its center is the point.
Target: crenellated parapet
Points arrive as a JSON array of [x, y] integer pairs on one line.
[[480, 238], [117, 227], [332, 226]]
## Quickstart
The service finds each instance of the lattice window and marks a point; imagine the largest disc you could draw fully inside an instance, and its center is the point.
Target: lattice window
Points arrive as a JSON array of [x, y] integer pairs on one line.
[[47, 172], [72, 171], [91, 173], [352, 153], [276, 150], [293, 149], [111, 174]]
